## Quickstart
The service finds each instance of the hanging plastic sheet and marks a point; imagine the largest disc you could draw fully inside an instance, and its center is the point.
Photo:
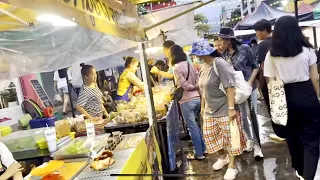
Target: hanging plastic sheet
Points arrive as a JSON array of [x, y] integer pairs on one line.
[[182, 37], [173, 134], [46, 48]]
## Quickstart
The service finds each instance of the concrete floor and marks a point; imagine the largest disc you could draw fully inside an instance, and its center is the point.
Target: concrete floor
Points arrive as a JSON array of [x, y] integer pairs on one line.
[[275, 166]]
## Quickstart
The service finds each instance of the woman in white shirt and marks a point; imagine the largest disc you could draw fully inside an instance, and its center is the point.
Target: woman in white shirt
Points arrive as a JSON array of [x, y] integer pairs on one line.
[[61, 86], [292, 57]]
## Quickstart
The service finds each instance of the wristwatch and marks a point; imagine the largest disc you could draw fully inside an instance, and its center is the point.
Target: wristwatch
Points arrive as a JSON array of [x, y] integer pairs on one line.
[[231, 108]]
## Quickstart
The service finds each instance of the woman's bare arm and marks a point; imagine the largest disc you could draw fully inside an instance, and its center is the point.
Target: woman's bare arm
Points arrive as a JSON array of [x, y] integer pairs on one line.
[[314, 76], [82, 111]]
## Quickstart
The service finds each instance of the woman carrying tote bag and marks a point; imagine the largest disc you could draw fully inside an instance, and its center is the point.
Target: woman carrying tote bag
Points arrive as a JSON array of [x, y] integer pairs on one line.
[[293, 61]]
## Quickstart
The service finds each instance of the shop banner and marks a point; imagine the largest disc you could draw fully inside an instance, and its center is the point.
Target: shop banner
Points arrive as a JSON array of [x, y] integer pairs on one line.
[[145, 161], [117, 18]]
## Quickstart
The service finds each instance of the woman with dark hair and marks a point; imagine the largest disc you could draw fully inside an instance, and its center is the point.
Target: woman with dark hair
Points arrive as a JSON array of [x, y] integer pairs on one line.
[[186, 76], [90, 100], [242, 59], [128, 79], [217, 108], [292, 58], [61, 86]]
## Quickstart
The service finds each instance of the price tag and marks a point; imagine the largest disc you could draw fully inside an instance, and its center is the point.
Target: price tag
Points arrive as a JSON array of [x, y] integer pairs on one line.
[[90, 130]]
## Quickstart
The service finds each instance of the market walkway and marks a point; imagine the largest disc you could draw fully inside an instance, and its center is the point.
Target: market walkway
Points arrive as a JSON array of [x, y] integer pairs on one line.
[[275, 166]]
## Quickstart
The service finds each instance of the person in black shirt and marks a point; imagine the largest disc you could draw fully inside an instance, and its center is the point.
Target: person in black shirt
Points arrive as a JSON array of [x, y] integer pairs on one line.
[[263, 32]]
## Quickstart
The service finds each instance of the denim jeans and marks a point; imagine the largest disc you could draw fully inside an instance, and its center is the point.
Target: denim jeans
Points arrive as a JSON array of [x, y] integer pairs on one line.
[[189, 110], [247, 123], [254, 100]]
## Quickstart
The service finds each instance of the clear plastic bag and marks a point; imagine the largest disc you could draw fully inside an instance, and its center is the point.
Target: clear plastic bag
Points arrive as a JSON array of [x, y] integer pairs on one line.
[[57, 97]]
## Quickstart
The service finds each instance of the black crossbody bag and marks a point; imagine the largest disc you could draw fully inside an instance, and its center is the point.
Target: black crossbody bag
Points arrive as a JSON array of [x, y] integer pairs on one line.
[[178, 92]]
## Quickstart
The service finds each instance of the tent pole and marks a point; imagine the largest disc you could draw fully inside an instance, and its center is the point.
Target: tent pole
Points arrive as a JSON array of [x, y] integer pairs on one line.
[[14, 16], [177, 15], [296, 9], [315, 37], [149, 97], [147, 84], [70, 97]]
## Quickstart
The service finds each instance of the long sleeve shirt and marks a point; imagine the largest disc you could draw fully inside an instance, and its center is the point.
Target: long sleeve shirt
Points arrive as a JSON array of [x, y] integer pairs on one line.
[[190, 86]]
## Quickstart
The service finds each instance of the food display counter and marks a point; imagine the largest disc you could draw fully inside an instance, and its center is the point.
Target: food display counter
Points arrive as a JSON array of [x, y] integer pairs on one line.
[[131, 156], [121, 154]]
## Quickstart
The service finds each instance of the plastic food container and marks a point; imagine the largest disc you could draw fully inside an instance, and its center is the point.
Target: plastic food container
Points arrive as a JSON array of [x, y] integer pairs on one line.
[[23, 140], [44, 122], [80, 147], [42, 143], [5, 130]]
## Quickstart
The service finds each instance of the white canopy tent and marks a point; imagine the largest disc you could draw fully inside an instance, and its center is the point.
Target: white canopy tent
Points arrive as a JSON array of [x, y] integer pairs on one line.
[[46, 48]]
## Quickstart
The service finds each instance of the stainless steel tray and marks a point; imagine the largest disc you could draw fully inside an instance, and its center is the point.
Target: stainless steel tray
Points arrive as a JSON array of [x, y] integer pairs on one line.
[[120, 157], [99, 142], [122, 145]]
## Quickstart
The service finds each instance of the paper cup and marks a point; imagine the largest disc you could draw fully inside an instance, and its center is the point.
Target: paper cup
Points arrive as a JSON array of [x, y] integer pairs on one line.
[[51, 138], [52, 145]]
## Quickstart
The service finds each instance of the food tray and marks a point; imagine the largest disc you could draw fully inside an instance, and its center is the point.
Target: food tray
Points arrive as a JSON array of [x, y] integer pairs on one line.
[[23, 140], [123, 144], [99, 142], [120, 157]]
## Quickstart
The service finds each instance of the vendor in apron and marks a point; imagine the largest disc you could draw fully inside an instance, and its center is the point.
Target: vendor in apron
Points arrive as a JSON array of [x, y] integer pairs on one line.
[[128, 80], [9, 168], [90, 100]]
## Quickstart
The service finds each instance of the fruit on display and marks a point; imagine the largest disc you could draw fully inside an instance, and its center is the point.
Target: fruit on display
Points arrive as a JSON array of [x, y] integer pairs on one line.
[[136, 110], [77, 147], [134, 141], [131, 116]]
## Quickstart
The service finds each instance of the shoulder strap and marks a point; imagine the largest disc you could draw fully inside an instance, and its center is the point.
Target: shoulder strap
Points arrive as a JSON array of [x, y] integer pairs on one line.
[[188, 71], [275, 68], [215, 67]]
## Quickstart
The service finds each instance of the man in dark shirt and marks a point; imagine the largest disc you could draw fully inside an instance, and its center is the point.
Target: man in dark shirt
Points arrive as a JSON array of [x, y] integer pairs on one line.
[[263, 32]]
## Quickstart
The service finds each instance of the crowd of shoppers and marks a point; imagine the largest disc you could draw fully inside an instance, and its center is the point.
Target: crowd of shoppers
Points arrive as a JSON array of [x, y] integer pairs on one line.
[[285, 51]]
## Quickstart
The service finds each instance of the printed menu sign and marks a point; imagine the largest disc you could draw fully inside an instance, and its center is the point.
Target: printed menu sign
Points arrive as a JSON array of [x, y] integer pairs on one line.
[[41, 93]]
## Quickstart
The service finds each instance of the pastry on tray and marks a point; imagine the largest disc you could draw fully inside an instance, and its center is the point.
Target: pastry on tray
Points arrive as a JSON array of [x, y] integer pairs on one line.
[[103, 161]]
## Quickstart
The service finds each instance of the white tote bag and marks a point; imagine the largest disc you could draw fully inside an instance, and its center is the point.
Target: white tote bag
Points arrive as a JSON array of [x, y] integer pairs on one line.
[[243, 89], [235, 134], [278, 101]]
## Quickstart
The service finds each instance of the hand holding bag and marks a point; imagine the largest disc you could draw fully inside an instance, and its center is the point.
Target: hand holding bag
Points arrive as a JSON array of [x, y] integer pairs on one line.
[[277, 98], [178, 91]]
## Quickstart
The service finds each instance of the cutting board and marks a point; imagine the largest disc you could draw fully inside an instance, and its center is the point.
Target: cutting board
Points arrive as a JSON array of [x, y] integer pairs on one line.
[[70, 169]]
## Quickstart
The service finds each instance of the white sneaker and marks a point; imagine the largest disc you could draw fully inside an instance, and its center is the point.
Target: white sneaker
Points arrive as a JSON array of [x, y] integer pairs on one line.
[[300, 177], [249, 146], [257, 153], [275, 137], [220, 163], [231, 174]]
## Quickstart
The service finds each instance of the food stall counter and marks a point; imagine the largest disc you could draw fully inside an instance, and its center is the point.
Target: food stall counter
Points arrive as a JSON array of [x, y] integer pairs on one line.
[[122, 155]]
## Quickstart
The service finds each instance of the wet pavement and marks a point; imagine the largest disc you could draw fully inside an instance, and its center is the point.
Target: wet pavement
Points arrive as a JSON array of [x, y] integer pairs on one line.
[[275, 166]]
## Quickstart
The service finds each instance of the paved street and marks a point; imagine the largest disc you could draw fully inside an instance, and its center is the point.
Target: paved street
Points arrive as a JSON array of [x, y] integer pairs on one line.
[[275, 166]]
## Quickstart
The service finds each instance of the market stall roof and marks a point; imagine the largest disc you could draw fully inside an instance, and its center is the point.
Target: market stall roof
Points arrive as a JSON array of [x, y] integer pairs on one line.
[[44, 48], [264, 11], [316, 12], [305, 8]]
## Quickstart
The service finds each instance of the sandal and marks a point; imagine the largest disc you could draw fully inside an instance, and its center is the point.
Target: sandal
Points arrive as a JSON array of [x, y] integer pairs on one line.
[[193, 157]]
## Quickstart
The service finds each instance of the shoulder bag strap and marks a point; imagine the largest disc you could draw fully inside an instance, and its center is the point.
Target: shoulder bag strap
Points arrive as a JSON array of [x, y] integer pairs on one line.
[[188, 71], [215, 67], [275, 69]]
